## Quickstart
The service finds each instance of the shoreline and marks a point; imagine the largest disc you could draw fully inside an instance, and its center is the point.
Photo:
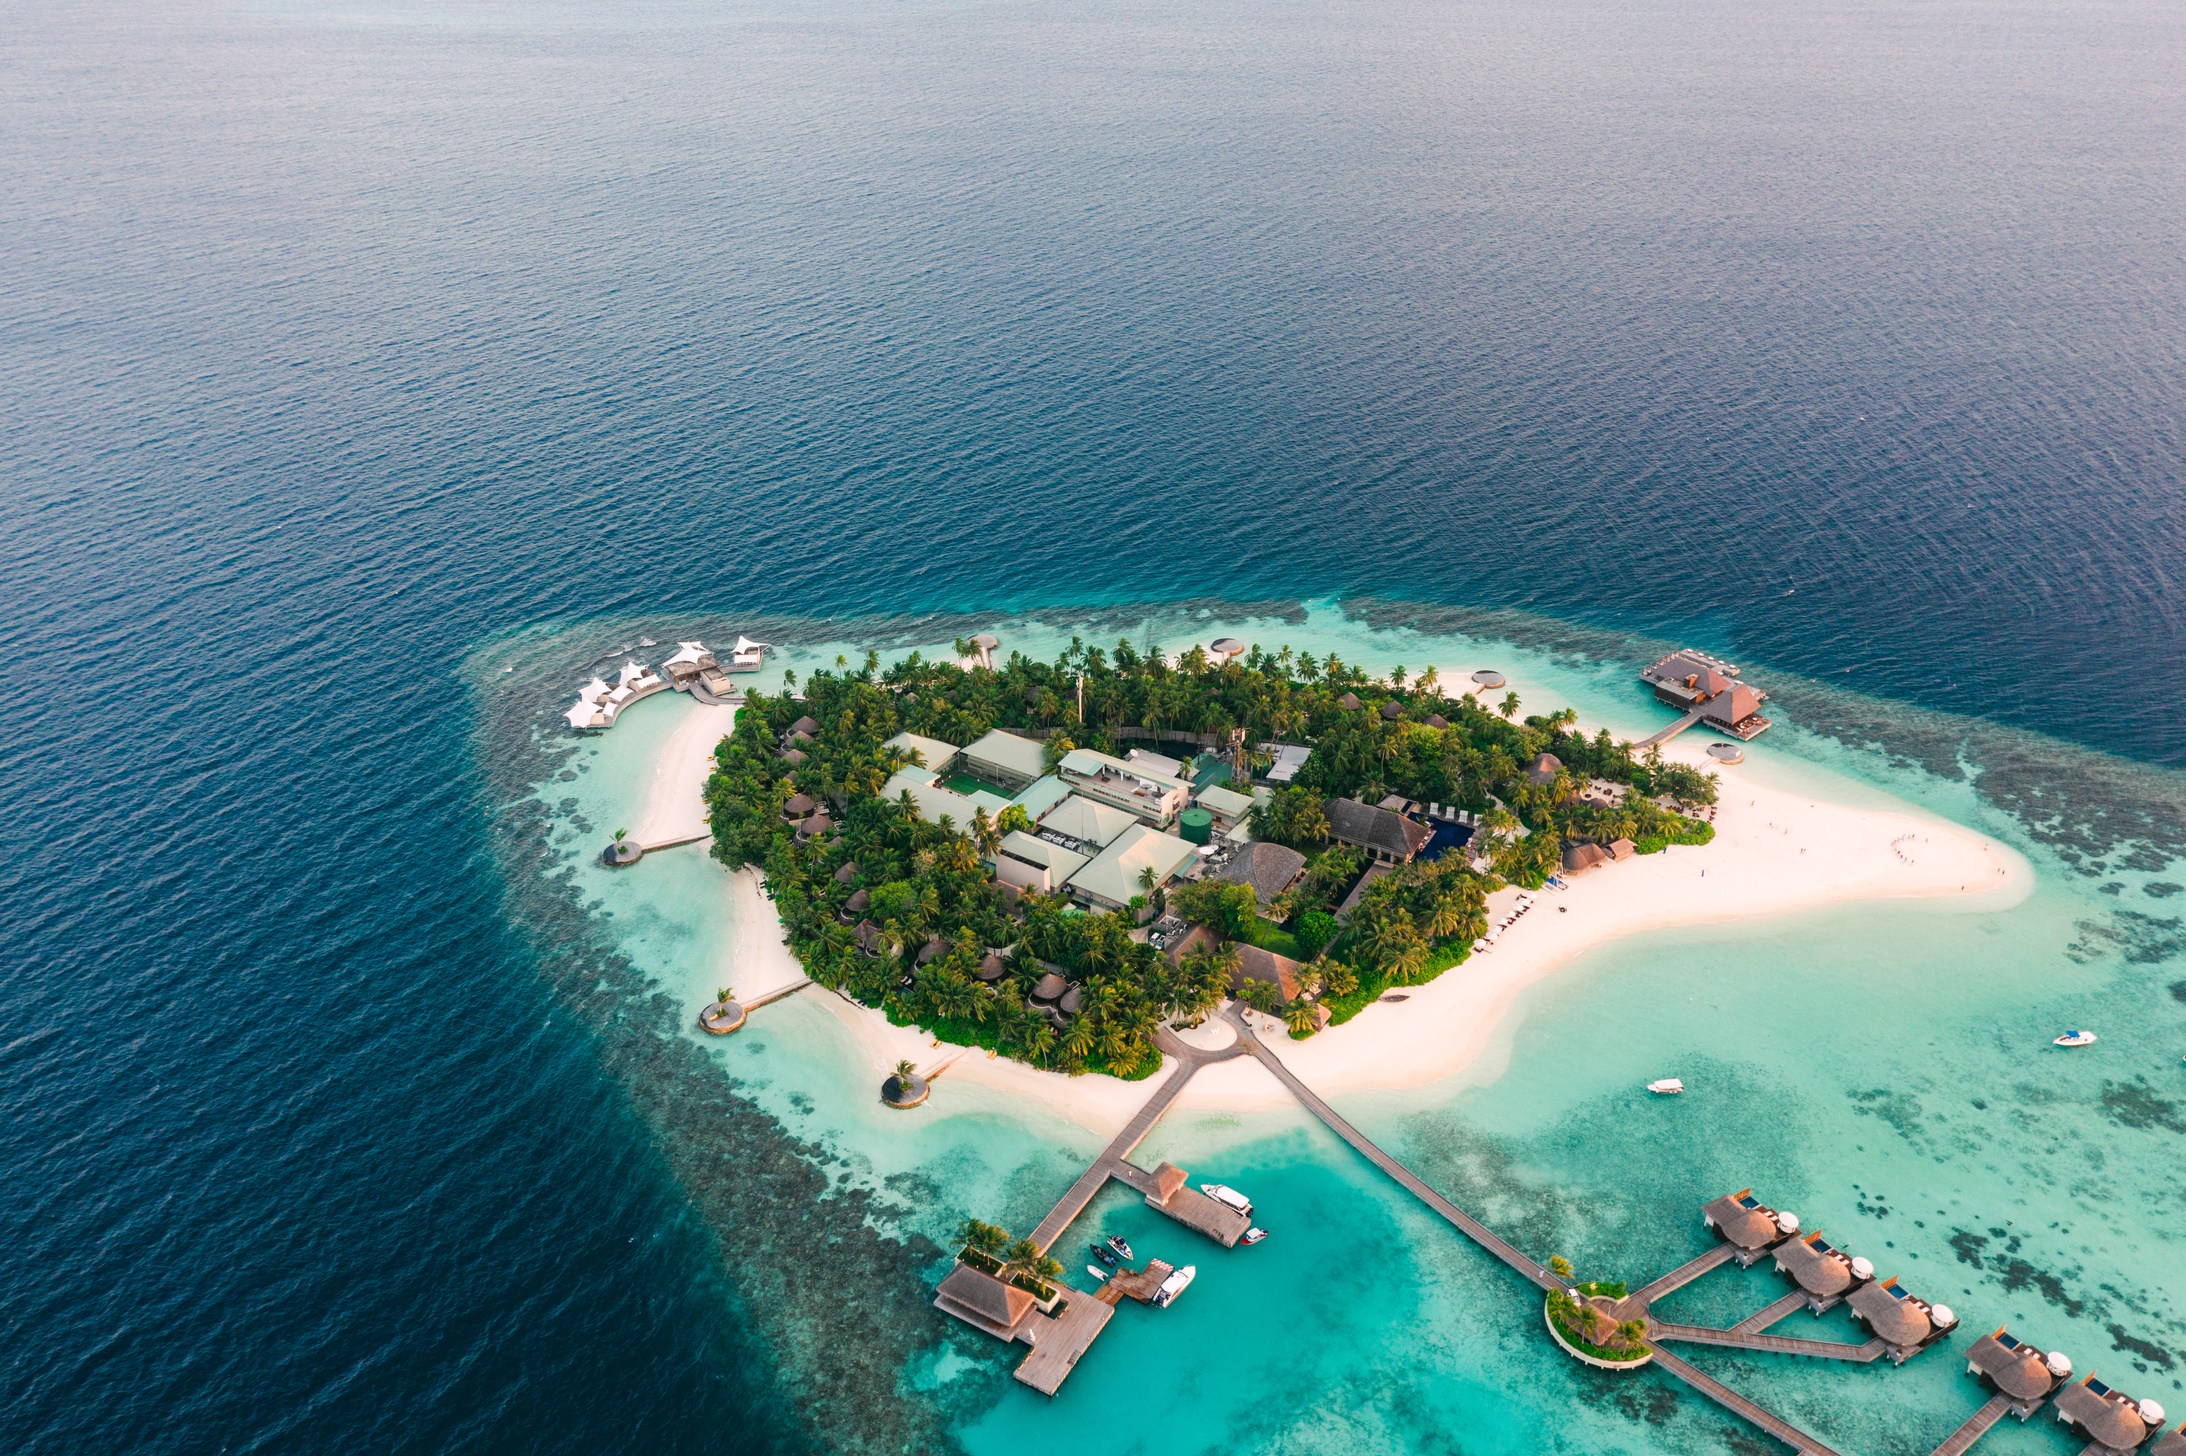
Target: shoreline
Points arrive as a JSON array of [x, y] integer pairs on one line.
[[1778, 852]]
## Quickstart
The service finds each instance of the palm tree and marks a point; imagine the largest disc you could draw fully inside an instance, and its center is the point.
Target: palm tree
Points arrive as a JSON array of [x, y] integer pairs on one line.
[[1559, 1266], [905, 1071], [1509, 706], [984, 834], [724, 994], [1299, 1017], [1633, 1333]]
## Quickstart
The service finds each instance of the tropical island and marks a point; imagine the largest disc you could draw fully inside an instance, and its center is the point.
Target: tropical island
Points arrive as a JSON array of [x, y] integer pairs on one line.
[[1010, 856]]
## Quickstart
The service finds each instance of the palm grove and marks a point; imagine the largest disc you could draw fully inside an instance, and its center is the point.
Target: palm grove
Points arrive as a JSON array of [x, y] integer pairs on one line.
[[940, 913]]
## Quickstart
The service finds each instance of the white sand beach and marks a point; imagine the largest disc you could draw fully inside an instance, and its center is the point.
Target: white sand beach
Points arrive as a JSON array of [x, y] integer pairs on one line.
[[1776, 850]]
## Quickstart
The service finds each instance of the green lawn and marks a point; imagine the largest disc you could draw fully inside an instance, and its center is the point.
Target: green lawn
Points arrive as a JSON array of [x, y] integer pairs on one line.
[[967, 785], [1272, 937]]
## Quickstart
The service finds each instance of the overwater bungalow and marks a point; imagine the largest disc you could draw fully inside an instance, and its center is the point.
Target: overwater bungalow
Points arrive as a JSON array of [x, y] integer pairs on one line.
[[2018, 1372], [2170, 1443], [1748, 1225], [690, 662], [2110, 1421], [1827, 1274], [747, 657], [1904, 1324]]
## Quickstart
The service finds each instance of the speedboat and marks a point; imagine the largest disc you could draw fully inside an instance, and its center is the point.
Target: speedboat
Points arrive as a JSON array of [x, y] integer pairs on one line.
[[1228, 1197], [2075, 1038], [1122, 1249], [1175, 1285], [1100, 1275], [1253, 1236], [1667, 1087], [1104, 1255]]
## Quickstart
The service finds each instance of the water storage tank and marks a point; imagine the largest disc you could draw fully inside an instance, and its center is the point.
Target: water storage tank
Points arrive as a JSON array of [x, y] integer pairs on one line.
[[1195, 826]]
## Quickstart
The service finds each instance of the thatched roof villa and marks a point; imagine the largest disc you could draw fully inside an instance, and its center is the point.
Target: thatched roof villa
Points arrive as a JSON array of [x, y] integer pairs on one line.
[[1904, 1324], [1747, 1224], [2110, 1421], [978, 1298], [2018, 1372], [1826, 1273]]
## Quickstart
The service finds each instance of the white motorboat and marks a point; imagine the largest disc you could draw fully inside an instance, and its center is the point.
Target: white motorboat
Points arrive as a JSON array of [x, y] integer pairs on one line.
[[1175, 1285], [1667, 1087], [1228, 1197], [2075, 1038]]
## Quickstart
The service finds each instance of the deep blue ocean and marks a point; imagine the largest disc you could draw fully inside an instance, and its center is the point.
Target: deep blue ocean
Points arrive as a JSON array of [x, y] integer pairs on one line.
[[338, 338]]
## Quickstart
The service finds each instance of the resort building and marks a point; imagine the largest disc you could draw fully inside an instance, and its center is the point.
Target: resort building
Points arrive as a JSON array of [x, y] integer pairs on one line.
[[1112, 879], [1005, 759], [936, 803], [1152, 797], [1086, 823], [590, 711], [1035, 864], [1042, 796], [1287, 758], [1579, 858], [1542, 772], [2110, 1421], [1270, 869], [985, 1302], [1144, 761], [1904, 1324], [1384, 835], [1691, 681], [1227, 805], [2020, 1373], [1358, 892], [932, 753]]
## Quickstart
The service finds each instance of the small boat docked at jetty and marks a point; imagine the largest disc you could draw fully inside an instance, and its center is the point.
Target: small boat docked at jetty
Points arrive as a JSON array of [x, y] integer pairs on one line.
[[2075, 1038], [1175, 1285], [1100, 1275], [1122, 1249], [1253, 1236], [1228, 1197], [1667, 1087], [1105, 1255]]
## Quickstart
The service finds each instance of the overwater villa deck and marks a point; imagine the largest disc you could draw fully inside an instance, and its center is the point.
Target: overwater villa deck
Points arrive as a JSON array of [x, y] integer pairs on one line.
[[1749, 1226], [1827, 1274], [2110, 1421], [1905, 1325], [2021, 1374]]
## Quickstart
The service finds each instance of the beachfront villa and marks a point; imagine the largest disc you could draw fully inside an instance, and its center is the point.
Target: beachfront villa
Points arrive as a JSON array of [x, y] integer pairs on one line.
[[1145, 793], [690, 661], [1386, 836], [747, 657]]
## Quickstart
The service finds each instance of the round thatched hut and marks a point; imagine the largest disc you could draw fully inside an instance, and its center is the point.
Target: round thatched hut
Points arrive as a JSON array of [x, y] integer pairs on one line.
[[622, 852], [722, 1017], [902, 1091]]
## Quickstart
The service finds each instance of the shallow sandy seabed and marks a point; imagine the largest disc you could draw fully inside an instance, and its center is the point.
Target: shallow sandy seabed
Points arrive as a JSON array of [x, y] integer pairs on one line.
[[1778, 848]]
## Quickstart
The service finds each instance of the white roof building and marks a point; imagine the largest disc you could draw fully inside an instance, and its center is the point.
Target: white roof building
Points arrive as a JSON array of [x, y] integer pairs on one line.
[[937, 755], [1227, 805], [1113, 876], [589, 713], [1006, 758], [1159, 763], [747, 656], [690, 659], [1086, 821], [1043, 795], [1153, 797], [1052, 863], [1289, 758]]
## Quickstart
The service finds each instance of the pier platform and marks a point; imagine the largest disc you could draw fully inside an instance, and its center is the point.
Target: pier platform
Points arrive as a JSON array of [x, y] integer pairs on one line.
[[1058, 1342]]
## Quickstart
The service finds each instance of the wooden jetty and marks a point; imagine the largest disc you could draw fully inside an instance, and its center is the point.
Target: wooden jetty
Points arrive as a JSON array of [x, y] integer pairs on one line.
[[1761, 1319], [1960, 1441], [1140, 1284], [1692, 719], [777, 994], [1741, 1407], [1775, 1344], [1057, 1343]]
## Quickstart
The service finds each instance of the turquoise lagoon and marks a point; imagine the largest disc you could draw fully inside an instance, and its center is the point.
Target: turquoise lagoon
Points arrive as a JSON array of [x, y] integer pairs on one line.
[[1881, 1067]]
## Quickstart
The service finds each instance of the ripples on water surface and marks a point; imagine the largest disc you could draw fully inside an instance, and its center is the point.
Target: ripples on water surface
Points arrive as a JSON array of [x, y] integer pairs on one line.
[[343, 339]]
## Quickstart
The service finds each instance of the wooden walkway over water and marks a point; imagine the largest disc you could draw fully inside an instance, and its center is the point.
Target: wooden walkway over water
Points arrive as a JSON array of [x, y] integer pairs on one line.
[[1690, 720]]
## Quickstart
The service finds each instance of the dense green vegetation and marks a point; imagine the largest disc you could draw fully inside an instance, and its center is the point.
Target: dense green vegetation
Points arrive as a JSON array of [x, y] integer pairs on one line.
[[935, 912]]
